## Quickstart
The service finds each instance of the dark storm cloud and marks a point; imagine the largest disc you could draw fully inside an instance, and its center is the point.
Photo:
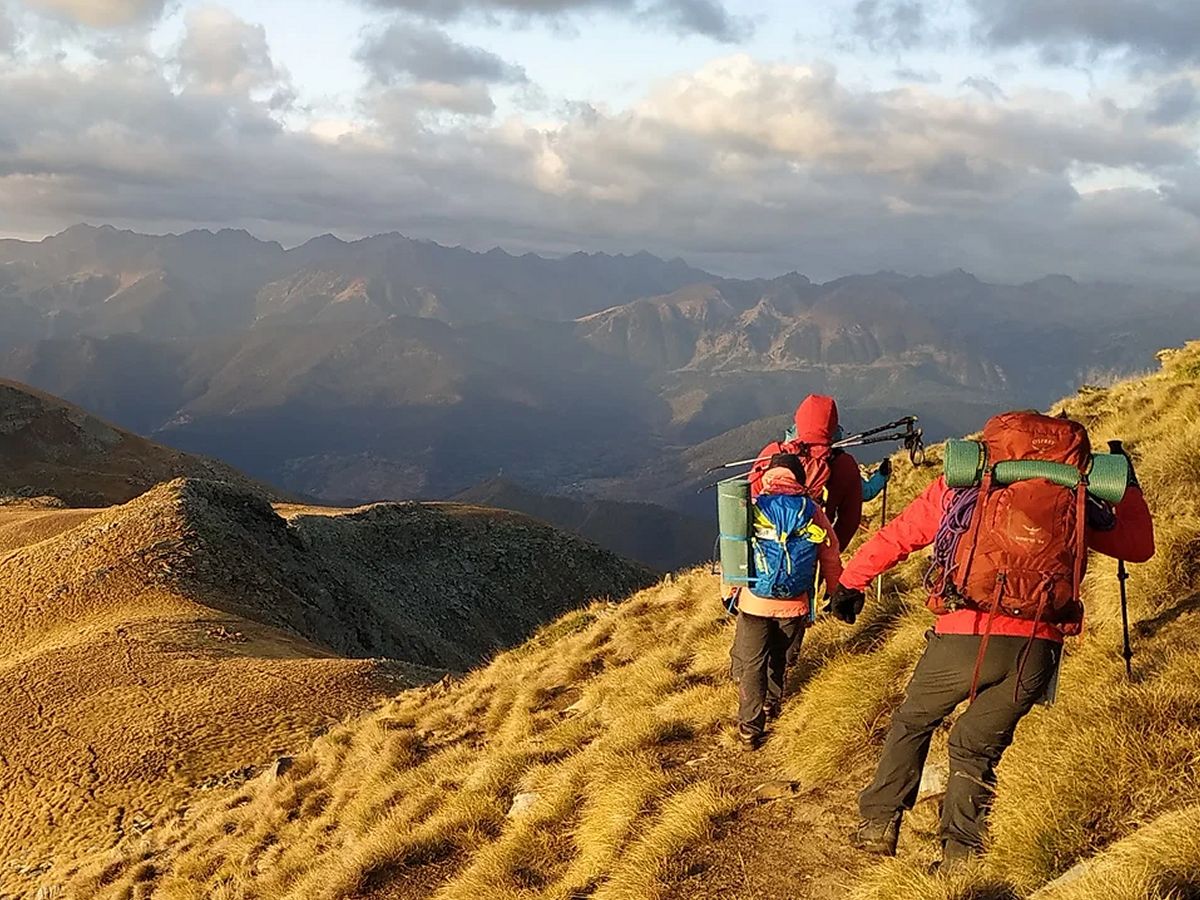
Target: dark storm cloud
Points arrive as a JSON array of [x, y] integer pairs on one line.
[[406, 50], [1158, 32], [705, 17]]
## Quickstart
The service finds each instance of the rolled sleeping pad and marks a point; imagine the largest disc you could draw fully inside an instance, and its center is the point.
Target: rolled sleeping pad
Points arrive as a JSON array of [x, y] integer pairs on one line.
[[733, 520], [1107, 477]]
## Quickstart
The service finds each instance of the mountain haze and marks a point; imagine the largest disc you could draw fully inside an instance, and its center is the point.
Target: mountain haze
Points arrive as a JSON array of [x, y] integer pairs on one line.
[[387, 368]]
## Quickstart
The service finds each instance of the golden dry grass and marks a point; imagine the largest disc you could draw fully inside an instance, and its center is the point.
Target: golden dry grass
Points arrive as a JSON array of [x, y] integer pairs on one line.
[[600, 714]]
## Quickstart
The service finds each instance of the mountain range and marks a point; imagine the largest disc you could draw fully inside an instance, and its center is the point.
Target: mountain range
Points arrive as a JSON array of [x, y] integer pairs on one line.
[[394, 368]]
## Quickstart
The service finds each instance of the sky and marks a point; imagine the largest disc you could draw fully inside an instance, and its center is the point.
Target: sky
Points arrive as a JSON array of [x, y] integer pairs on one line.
[[1011, 138]]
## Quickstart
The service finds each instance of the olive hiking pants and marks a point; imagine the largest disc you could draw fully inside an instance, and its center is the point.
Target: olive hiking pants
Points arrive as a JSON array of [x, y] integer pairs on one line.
[[762, 649], [941, 682]]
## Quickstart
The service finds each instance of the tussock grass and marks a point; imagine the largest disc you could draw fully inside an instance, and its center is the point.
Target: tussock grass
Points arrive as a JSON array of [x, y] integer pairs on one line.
[[590, 716], [595, 714]]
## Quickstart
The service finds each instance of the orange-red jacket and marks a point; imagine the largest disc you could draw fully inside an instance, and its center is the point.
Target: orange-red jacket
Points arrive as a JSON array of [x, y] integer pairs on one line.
[[816, 422], [1131, 539]]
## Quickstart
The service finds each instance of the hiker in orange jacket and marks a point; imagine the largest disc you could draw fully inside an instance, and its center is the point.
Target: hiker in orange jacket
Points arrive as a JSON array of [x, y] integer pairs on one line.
[[978, 648], [793, 544], [832, 473]]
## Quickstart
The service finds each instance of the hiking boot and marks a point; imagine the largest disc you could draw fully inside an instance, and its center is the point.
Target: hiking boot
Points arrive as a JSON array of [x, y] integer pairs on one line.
[[955, 855], [750, 740], [879, 838]]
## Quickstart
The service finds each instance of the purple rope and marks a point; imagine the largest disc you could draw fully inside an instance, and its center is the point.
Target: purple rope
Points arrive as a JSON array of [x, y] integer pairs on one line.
[[955, 524]]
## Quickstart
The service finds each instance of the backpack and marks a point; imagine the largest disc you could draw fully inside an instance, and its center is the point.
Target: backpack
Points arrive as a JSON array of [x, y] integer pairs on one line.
[[1015, 542], [817, 460], [785, 542]]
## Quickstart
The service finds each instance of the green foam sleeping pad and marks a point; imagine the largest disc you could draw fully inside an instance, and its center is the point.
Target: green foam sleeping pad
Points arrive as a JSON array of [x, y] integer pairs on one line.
[[1107, 477], [733, 520]]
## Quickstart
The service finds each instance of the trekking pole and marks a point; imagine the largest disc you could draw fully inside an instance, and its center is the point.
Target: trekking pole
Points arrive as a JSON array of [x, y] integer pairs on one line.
[[1118, 447], [882, 522], [911, 437], [1127, 651]]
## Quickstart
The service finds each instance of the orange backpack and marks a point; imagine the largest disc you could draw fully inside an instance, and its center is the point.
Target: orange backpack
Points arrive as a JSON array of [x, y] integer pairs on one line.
[[816, 458], [1019, 549]]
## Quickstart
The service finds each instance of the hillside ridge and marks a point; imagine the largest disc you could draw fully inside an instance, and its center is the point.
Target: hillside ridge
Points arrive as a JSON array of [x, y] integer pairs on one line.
[[597, 760]]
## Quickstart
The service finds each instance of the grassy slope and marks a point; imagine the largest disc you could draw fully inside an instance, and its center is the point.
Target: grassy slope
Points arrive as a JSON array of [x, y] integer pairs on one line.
[[182, 641], [617, 719], [51, 447]]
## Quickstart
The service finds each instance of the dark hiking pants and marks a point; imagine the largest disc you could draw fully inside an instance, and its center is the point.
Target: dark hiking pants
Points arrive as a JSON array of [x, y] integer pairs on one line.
[[762, 649], [982, 733]]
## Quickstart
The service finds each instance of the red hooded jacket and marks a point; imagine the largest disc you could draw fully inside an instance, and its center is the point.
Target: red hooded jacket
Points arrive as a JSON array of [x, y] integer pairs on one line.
[[817, 425], [1131, 539]]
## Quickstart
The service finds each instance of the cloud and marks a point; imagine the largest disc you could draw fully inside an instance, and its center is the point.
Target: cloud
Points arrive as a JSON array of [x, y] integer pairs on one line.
[[706, 17], [1175, 103], [740, 165], [101, 13], [985, 86], [8, 33], [709, 18], [404, 50], [222, 54], [897, 24], [1154, 32]]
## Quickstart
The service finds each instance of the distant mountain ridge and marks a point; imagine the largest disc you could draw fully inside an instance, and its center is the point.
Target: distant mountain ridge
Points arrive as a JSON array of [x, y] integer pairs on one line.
[[52, 448], [653, 535], [101, 281], [388, 368]]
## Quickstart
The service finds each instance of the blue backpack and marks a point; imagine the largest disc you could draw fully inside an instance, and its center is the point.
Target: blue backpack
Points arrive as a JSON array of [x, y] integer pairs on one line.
[[785, 543]]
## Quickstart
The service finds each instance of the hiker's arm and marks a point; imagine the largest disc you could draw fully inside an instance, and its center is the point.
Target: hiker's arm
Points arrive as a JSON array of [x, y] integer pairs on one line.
[[873, 486], [829, 554], [847, 482], [912, 530], [1132, 538]]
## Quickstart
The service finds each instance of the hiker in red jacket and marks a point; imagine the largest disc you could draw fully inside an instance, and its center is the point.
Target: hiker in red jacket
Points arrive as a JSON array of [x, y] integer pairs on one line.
[[1005, 589], [832, 473]]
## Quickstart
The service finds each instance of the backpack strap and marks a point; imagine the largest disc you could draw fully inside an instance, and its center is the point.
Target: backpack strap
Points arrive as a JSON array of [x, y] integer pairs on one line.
[[1081, 496], [997, 597], [1081, 499]]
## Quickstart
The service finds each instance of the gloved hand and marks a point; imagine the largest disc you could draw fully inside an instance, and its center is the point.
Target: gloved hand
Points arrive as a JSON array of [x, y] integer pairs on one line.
[[1118, 447], [885, 469], [846, 603]]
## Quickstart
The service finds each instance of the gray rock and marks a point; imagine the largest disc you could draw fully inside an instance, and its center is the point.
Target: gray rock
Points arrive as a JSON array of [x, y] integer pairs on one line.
[[1072, 875], [522, 803], [776, 790], [934, 781]]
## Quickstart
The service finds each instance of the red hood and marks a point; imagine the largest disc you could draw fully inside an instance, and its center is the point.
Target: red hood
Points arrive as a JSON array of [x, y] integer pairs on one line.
[[817, 420]]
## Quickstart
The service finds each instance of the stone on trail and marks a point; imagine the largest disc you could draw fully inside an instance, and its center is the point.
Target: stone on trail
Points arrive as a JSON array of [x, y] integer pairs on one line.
[[522, 803], [776, 790], [280, 767], [1072, 875], [934, 781]]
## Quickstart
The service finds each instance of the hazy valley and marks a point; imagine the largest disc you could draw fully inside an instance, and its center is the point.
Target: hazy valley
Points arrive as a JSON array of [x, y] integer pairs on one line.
[[391, 368]]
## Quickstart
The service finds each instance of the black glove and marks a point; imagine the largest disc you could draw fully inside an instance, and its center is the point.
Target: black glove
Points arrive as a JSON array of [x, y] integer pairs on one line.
[[846, 603], [1118, 448], [885, 469]]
